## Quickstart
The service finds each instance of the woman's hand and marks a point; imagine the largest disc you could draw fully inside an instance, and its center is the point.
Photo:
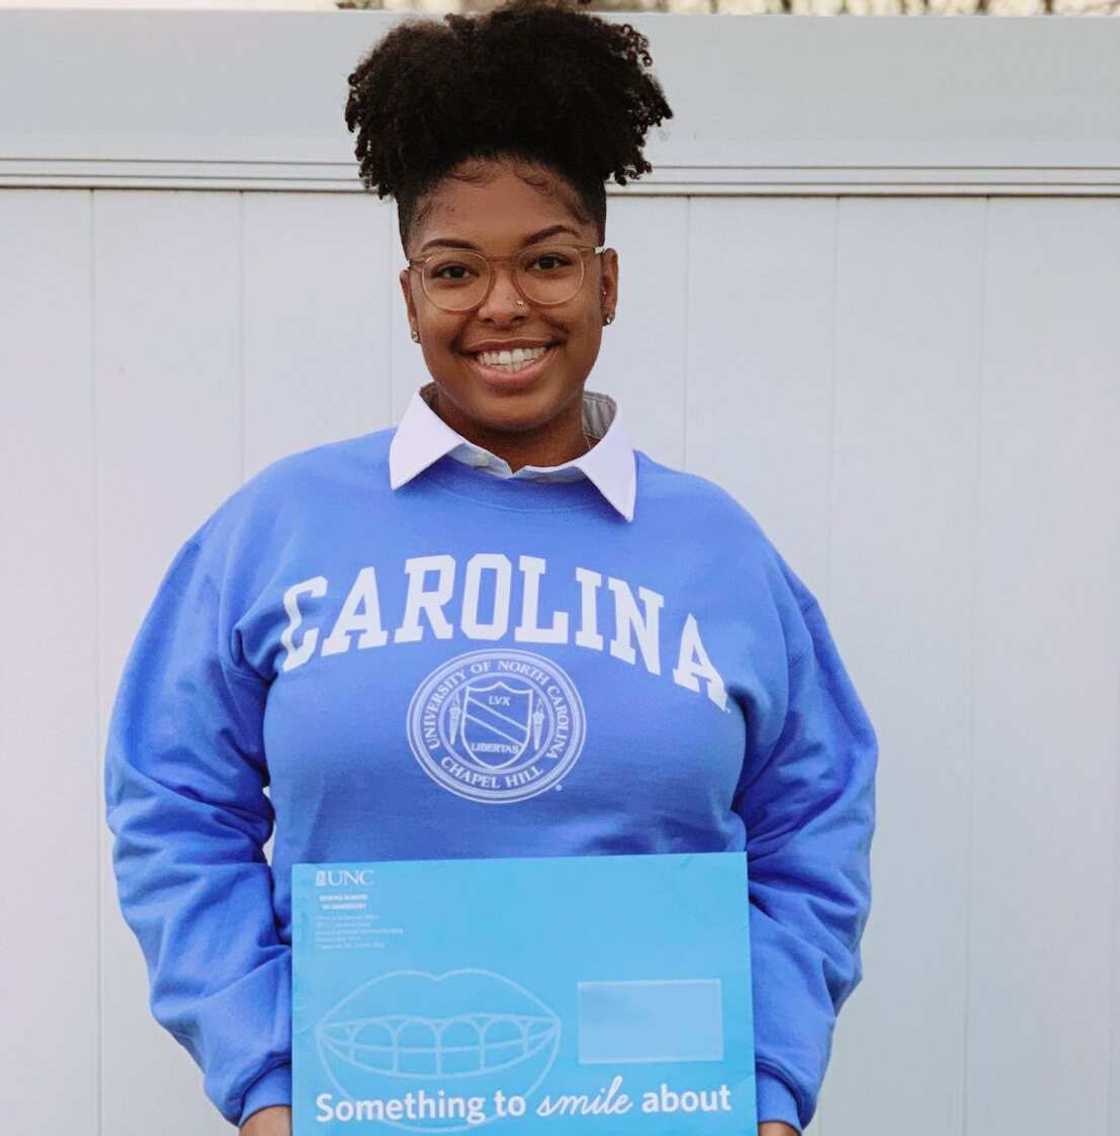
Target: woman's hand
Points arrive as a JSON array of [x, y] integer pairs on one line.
[[276, 1120], [775, 1128]]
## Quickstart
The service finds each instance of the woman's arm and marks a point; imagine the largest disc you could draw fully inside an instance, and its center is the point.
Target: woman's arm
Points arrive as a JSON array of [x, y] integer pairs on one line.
[[184, 778], [807, 800]]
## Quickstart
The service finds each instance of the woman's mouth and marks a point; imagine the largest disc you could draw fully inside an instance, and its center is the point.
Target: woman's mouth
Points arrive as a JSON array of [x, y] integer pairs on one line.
[[518, 367]]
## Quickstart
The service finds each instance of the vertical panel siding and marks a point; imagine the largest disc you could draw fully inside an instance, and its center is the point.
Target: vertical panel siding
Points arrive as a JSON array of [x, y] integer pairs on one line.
[[1047, 671], [902, 526], [761, 298], [168, 388], [918, 400], [406, 357], [49, 824], [1113, 1105], [317, 358], [642, 357]]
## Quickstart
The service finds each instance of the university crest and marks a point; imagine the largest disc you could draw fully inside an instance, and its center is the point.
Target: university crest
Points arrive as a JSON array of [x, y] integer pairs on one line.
[[497, 726]]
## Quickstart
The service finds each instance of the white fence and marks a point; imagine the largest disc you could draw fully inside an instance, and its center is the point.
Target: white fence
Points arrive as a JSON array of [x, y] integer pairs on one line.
[[887, 322]]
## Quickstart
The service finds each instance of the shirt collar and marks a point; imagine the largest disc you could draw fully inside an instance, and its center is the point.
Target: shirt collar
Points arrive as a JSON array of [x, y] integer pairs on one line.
[[422, 437]]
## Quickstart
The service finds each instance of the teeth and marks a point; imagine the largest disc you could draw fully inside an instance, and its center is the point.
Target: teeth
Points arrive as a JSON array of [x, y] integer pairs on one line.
[[512, 358], [424, 1047]]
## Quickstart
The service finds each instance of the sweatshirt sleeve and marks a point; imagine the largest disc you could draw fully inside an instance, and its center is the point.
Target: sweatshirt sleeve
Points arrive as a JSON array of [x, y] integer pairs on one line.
[[807, 800], [184, 777]]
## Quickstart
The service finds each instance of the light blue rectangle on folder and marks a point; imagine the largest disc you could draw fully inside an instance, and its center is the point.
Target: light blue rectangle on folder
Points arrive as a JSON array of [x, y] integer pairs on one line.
[[670, 1020]]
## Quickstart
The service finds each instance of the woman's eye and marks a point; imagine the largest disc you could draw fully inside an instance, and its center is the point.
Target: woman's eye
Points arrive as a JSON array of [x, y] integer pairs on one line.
[[439, 271], [550, 261]]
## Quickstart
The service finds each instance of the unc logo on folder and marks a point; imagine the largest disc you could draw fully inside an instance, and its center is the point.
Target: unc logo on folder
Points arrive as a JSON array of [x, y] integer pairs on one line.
[[497, 726]]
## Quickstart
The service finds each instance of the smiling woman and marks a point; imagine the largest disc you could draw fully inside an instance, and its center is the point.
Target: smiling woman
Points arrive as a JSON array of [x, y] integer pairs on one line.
[[497, 629], [498, 162], [528, 409]]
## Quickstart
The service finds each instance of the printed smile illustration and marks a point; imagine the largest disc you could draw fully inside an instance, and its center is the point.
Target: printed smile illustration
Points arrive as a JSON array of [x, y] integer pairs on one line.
[[462, 1033]]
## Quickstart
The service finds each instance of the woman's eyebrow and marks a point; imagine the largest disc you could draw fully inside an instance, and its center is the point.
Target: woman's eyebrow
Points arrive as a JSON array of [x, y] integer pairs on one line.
[[452, 242]]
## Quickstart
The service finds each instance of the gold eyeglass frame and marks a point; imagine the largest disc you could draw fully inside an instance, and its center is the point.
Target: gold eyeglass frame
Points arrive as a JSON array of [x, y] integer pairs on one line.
[[419, 262]]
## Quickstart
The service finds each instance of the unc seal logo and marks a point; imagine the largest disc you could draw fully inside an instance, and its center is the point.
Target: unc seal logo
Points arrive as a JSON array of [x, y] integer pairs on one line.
[[496, 726]]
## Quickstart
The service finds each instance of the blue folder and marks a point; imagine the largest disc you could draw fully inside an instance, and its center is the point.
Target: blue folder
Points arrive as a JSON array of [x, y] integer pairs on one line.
[[595, 994]]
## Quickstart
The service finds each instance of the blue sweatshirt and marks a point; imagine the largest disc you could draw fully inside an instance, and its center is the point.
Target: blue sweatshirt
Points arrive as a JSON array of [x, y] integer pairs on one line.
[[469, 666]]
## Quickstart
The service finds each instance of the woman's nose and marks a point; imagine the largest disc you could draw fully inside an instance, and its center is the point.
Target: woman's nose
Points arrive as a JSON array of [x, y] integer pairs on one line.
[[503, 300]]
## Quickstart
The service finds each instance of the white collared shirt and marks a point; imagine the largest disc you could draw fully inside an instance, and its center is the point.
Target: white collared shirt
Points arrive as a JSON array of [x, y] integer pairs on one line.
[[422, 437]]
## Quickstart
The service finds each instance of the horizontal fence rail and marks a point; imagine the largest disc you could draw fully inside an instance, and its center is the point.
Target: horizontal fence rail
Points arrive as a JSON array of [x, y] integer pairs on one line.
[[198, 100]]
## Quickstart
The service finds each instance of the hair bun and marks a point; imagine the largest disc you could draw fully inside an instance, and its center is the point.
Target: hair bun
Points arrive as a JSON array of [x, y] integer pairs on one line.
[[533, 77]]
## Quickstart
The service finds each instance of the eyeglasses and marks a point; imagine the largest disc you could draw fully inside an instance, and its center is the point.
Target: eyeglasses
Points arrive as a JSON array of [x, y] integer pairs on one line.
[[458, 280]]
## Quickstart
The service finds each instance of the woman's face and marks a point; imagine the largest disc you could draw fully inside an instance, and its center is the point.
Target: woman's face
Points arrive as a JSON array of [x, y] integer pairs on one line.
[[498, 216]]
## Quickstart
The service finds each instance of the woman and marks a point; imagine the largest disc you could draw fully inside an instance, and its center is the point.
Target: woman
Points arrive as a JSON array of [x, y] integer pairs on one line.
[[507, 517]]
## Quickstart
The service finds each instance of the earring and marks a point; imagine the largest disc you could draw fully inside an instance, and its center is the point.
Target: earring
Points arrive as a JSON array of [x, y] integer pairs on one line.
[[607, 319], [415, 336]]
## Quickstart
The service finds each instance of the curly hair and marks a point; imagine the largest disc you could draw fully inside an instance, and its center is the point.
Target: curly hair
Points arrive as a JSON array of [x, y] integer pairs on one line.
[[533, 80]]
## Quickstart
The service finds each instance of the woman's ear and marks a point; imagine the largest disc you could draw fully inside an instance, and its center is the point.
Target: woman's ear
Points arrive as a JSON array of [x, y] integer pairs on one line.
[[406, 288], [409, 304], [608, 281]]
